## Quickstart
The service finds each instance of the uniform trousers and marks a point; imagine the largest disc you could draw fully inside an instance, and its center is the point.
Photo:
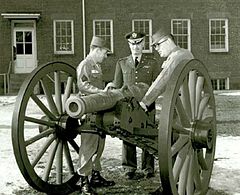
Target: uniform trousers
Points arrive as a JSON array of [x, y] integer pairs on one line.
[[129, 154], [90, 152], [129, 158]]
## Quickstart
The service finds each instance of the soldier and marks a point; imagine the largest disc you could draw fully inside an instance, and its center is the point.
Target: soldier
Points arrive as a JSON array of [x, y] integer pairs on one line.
[[89, 80], [135, 68], [164, 44]]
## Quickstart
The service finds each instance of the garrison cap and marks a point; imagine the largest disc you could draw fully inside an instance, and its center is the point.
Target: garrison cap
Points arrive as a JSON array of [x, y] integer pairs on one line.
[[134, 35], [99, 42], [160, 34]]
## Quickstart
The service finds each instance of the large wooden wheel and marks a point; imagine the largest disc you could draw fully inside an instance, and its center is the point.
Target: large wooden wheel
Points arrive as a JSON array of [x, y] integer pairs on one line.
[[187, 131], [42, 134]]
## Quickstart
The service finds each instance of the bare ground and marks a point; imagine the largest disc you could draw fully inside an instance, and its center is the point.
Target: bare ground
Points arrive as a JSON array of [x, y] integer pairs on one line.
[[225, 177]]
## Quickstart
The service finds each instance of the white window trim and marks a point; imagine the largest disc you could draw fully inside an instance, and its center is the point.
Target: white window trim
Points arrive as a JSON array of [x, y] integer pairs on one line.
[[150, 50], [226, 49], [111, 30], [54, 39], [189, 30]]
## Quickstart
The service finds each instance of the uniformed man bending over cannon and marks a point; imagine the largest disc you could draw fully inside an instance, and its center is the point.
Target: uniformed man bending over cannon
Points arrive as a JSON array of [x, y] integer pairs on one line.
[[89, 77], [164, 44]]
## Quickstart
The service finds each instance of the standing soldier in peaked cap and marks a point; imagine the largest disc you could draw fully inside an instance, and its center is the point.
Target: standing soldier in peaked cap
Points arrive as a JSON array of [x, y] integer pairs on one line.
[[135, 68], [90, 81]]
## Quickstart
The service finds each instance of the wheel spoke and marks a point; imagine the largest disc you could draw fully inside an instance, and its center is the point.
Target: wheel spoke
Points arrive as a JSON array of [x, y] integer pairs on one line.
[[190, 183], [74, 145], [184, 174], [181, 130], [185, 97], [181, 113], [192, 90], [39, 136], [59, 162], [68, 157], [197, 172], [43, 107], [39, 121], [67, 91], [179, 161], [201, 160], [43, 150], [49, 97], [199, 88], [50, 160], [202, 106], [58, 97], [178, 145]]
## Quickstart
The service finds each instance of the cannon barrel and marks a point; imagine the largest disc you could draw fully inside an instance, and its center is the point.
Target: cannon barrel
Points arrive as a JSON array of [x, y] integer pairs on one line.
[[76, 106]]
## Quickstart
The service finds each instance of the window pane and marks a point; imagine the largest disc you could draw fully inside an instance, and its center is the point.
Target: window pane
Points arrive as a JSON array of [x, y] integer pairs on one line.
[[214, 84], [19, 48], [28, 37], [28, 48], [221, 84], [69, 31], [19, 36]]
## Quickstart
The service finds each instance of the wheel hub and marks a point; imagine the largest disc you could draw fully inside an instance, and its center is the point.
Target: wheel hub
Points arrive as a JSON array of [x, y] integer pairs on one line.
[[202, 135], [66, 128]]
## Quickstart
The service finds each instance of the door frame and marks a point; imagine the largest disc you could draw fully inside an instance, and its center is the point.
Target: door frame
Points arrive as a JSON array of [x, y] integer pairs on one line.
[[34, 40]]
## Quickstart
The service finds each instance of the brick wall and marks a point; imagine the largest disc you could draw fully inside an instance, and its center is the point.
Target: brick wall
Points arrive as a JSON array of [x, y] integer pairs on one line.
[[122, 12]]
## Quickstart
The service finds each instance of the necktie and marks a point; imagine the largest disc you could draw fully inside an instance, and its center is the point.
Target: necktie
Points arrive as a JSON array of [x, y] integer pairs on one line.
[[136, 61]]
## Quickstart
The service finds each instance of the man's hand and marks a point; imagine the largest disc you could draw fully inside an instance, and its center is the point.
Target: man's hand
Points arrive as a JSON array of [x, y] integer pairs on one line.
[[109, 86], [144, 107]]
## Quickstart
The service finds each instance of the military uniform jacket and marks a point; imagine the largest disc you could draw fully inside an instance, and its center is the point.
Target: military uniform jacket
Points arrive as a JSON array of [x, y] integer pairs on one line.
[[89, 77], [127, 74], [159, 85]]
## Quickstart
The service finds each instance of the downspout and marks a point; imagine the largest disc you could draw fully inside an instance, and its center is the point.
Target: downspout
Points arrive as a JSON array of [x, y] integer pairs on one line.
[[84, 28]]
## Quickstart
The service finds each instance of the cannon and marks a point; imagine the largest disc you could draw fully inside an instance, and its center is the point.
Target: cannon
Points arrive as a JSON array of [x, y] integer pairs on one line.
[[183, 138]]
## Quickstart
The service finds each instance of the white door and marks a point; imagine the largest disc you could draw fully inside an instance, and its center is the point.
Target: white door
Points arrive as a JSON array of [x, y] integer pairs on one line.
[[24, 49]]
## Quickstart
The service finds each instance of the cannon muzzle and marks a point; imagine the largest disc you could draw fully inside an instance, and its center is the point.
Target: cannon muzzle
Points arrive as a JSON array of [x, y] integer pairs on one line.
[[76, 106]]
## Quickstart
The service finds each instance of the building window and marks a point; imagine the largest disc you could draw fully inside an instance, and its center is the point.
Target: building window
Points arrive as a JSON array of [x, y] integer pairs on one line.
[[145, 26], [220, 84], [104, 29], [63, 37], [180, 29], [218, 35]]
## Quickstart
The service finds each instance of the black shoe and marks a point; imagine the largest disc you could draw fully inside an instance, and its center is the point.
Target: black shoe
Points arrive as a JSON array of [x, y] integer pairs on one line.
[[149, 175], [159, 191], [98, 181], [130, 174], [83, 186]]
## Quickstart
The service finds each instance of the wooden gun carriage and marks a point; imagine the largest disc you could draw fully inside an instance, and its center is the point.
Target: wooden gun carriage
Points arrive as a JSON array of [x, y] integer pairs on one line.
[[45, 137]]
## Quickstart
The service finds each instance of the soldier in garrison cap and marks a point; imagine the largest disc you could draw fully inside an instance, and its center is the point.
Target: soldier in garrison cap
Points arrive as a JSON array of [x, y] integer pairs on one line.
[[130, 70], [164, 44], [90, 81]]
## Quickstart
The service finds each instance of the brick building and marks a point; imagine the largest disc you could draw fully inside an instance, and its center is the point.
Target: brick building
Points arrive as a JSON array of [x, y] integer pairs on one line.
[[38, 31]]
